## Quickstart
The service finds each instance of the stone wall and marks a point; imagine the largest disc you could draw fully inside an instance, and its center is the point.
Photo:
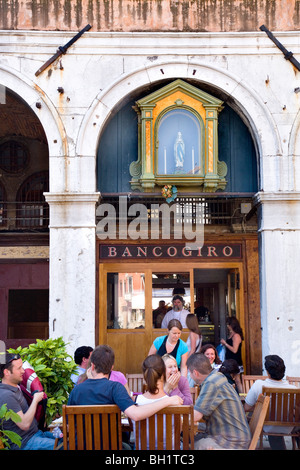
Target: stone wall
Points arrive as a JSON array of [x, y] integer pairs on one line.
[[150, 15]]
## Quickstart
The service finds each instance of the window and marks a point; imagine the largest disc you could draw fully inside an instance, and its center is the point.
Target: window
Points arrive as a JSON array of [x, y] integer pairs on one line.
[[125, 300], [164, 287], [32, 210], [14, 156]]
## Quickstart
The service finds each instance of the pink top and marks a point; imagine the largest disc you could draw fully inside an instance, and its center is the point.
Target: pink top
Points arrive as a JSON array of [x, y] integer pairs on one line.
[[117, 376], [183, 390]]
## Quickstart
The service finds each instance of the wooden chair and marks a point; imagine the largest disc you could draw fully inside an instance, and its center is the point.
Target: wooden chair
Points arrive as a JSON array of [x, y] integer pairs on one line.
[[248, 381], [293, 381], [257, 419], [284, 410], [171, 428], [194, 392], [92, 427], [136, 383]]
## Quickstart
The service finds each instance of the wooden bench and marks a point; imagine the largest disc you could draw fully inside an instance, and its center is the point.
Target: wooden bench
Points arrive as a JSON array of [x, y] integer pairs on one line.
[[92, 427], [248, 381], [135, 383], [171, 428], [284, 410], [293, 381]]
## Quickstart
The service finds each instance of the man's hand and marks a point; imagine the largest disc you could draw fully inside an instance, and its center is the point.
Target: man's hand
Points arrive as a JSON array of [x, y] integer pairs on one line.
[[38, 396]]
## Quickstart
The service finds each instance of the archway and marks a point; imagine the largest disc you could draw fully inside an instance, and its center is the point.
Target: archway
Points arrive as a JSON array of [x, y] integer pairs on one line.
[[246, 101]]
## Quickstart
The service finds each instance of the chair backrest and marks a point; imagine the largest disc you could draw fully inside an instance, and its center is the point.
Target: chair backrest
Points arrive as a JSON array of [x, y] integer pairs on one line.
[[257, 419], [293, 381], [92, 427], [194, 392], [171, 428], [135, 382], [248, 381], [284, 406]]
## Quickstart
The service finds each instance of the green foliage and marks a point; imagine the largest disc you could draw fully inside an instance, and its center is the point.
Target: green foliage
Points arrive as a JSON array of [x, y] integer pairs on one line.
[[5, 435], [54, 368]]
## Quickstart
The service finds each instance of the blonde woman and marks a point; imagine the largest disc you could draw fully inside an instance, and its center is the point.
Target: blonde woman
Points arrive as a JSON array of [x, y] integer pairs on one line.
[[175, 383]]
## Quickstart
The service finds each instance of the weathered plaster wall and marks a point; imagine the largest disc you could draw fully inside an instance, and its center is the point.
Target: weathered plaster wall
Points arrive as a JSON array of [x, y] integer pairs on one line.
[[97, 73], [150, 15]]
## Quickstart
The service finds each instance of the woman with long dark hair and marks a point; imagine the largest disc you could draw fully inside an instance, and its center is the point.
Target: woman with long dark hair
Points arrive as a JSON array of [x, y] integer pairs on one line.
[[154, 372], [233, 344]]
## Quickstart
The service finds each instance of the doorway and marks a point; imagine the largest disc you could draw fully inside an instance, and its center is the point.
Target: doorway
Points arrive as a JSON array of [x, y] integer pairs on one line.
[[216, 296], [131, 291]]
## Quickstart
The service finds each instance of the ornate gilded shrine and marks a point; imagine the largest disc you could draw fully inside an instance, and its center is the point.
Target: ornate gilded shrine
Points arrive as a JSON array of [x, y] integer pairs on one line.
[[178, 140]]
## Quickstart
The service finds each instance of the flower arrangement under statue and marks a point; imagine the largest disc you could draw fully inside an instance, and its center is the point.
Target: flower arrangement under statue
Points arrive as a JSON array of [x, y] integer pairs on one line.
[[169, 192]]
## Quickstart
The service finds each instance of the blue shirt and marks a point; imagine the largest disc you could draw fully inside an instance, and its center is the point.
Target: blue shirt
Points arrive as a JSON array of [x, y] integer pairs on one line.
[[182, 348], [100, 392]]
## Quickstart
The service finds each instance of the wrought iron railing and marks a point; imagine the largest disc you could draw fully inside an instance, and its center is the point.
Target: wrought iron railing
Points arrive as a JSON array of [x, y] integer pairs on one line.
[[24, 215], [222, 210], [213, 209]]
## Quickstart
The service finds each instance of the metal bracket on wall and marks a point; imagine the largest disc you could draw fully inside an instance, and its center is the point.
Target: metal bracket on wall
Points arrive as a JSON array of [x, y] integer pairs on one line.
[[62, 50], [287, 54]]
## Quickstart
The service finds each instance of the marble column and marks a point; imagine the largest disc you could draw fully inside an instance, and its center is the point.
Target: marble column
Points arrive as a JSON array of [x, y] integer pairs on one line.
[[72, 268], [279, 234]]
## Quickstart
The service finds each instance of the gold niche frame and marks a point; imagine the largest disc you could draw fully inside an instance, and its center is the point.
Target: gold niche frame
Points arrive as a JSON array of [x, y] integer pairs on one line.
[[193, 151]]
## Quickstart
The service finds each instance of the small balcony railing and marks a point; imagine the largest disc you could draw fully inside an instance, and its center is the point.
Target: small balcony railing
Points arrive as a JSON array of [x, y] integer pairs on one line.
[[216, 209], [24, 215]]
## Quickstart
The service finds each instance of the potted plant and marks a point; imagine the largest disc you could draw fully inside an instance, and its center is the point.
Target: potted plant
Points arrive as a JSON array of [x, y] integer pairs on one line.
[[5, 435], [54, 367]]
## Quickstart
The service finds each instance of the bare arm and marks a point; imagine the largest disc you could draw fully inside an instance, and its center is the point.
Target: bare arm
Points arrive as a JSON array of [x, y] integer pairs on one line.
[[183, 368], [197, 416], [138, 413], [236, 340], [194, 338], [28, 417], [248, 407], [152, 350]]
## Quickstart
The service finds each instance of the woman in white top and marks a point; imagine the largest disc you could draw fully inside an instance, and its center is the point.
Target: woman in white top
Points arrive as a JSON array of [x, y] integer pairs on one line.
[[194, 340], [154, 372]]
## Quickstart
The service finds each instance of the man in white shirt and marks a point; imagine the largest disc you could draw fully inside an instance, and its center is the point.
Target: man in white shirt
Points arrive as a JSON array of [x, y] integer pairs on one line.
[[275, 368], [81, 357], [178, 312]]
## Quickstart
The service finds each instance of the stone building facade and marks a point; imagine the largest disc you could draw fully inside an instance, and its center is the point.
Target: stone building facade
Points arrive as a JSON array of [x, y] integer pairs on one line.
[[132, 49]]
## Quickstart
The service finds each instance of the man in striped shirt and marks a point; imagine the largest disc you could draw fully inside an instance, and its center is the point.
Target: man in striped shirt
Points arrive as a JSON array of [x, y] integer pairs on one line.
[[220, 407]]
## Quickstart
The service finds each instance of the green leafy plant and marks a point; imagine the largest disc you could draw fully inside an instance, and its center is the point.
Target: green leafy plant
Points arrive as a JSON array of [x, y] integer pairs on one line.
[[7, 436], [54, 367]]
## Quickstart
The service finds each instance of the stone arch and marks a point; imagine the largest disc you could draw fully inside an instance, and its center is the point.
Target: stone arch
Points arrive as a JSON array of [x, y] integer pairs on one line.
[[41, 106], [248, 104]]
